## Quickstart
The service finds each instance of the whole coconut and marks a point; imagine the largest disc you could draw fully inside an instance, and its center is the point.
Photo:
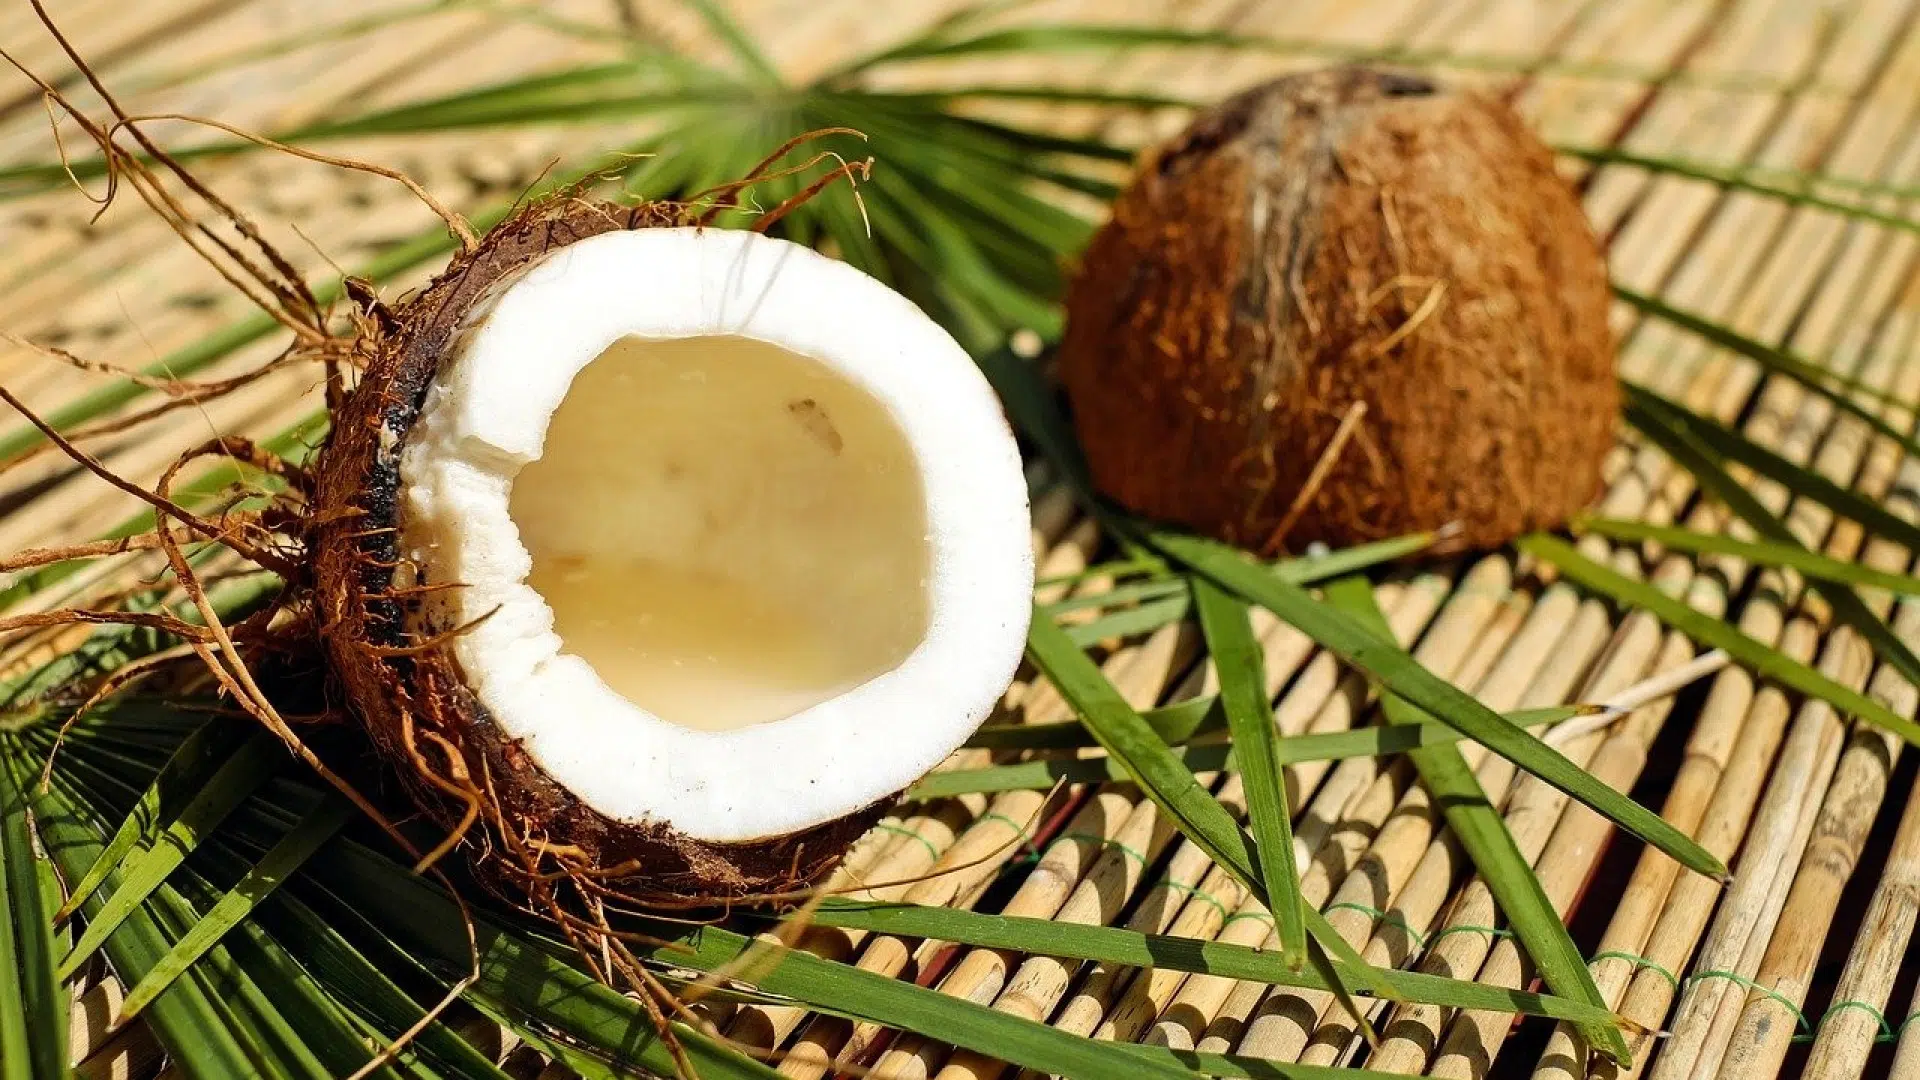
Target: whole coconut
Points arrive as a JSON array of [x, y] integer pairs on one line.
[[1332, 238]]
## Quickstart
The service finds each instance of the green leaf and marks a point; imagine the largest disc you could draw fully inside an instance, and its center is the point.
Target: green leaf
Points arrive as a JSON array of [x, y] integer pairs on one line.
[[1787, 182], [1174, 724], [1131, 743], [33, 1006], [1396, 671], [1759, 552], [238, 777], [187, 770], [1716, 438], [1170, 601], [1128, 622], [1118, 596], [203, 1033], [1114, 945], [1478, 826], [1150, 763], [1818, 379], [1737, 180], [1847, 606], [286, 857], [198, 493], [1243, 691], [1201, 716], [1763, 660], [372, 991], [1214, 757], [737, 41], [110, 647], [1117, 568]]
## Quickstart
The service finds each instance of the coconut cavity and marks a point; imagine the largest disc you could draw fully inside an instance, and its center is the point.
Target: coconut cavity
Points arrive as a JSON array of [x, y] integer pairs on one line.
[[727, 531]]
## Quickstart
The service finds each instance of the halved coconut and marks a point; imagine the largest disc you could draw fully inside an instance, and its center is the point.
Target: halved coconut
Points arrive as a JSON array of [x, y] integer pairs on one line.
[[684, 548]]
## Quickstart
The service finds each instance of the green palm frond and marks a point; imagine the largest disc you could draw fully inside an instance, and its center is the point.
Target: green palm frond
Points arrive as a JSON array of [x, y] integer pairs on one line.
[[1757, 656], [1235, 652], [33, 1005], [1759, 552], [1200, 755], [1478, 826]]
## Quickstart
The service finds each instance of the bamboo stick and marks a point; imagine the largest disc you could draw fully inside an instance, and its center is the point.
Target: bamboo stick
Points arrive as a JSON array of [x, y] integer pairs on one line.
[[980, 973], [1626, 934], [1901, 887], [1412, 1029], [1847, 1034], [1200, 998], [1410, 882], [1706, 758], [1758, 1045], [1779, 833], [1040, 981], [92, 1018], [1520, 665], [1687, 907], [1136, 839], [1335, 1038], [867, 853], [130, 1053], [1558, 1053]]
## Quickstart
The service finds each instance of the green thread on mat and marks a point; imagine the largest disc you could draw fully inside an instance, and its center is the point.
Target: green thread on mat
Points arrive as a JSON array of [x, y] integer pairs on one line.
[[932, 852], [1799, 1018], [1202, 895], [1101, 841], [1493, 932], [1261, 916], [1388, 917], [1029, 857], [1018, 829], [1639, 961], [1886, 1030]]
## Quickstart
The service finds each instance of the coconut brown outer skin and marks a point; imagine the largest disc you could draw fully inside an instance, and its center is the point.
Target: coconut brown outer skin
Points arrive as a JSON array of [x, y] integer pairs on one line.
[[411, 701], [1336, 237]]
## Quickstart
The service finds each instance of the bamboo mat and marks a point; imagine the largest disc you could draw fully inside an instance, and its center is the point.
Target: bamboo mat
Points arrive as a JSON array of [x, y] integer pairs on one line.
[[1798, 968]]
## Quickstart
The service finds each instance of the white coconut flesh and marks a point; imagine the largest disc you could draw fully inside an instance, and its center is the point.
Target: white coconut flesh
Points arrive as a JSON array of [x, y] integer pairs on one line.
[[740, 535]]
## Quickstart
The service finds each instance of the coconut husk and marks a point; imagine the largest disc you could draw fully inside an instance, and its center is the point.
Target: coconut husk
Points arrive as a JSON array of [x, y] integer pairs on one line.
[[1340, 243]]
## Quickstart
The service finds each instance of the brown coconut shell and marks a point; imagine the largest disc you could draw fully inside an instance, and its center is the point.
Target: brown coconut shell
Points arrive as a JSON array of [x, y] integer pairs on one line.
[[1345, 236], [409, 692]]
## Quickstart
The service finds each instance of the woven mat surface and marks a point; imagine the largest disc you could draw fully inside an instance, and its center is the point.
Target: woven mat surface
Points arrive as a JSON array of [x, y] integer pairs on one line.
[[1813, 932]]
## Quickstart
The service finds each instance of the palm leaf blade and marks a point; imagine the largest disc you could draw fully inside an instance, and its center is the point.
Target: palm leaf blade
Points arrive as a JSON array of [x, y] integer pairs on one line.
[[1352, 642], [1760, 658], [33, 1007], [237, 904], [239, 775], [1481, 831]]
